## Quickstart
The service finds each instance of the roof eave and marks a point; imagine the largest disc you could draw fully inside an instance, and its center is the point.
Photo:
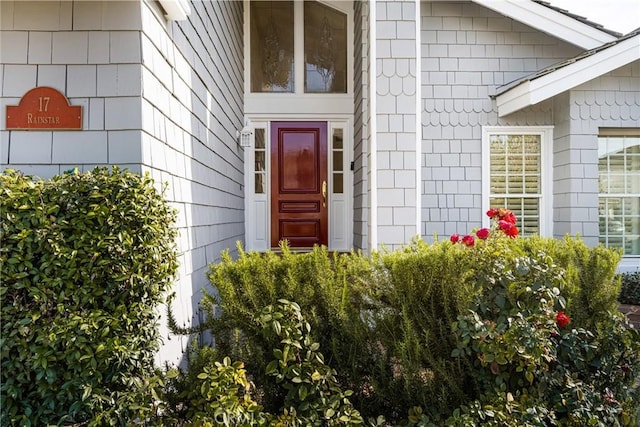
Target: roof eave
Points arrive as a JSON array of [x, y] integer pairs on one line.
[[531, 92], [550, 21]]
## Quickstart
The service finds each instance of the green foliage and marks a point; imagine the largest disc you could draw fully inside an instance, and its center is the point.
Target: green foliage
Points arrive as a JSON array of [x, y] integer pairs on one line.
[[591, 287], [331, 290], [85, 260], [386, 322], [216, 392], [424, 289], [630, 289], [534, 370], [313, 393]]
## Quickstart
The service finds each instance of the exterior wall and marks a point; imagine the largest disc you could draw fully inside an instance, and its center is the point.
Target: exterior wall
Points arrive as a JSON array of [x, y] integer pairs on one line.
[[612, 100], [397, 92], [192, 105], [468, 51], [157, 96], [89, 51], [361, 118]]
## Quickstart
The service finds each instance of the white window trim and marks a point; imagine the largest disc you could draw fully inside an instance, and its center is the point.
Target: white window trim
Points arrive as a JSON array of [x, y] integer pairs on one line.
[[546, 173]]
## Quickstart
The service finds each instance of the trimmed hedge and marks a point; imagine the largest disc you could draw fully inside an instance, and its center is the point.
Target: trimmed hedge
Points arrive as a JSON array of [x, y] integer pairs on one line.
[[385, 322], [85, 261]]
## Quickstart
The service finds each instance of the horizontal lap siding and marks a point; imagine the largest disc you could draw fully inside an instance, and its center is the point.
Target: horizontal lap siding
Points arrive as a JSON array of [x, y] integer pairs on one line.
[[192, 105], [361, 119]]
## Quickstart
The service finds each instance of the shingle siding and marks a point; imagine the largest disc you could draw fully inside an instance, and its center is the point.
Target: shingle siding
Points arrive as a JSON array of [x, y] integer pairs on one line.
[[157, 96], [56, 44], [467, 52], [612, 100], [396, 92]]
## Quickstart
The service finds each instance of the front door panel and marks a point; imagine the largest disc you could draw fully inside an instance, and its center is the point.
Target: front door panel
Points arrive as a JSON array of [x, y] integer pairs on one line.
[[299, 183]]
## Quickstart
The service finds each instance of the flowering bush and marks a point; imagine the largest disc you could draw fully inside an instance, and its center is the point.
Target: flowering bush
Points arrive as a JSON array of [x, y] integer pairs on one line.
[[503, 220], [562, 319], [530, 367]]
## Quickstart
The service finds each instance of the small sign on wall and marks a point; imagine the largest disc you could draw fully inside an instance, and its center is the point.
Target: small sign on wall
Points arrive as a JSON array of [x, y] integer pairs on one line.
[[44, 108]]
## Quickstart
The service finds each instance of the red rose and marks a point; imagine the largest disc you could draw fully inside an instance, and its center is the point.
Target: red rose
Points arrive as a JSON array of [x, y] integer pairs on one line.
[[483, 233], [509, 217], [492, 213], [511, 231], [562, 319], [455, 238], [504, 225], [468, 240]]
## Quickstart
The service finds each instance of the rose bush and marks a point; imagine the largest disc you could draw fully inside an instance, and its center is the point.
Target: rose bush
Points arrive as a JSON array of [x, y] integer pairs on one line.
[[530, 367]]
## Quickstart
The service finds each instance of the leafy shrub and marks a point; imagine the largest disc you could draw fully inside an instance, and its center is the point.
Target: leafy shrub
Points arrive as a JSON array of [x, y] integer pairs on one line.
[[630, 289], [331, 290], [215, 392], [385, 321], [530, 366], [314, 396], [85, 261]]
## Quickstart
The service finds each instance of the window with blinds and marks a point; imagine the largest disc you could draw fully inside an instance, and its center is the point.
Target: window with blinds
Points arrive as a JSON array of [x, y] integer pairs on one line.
[[619, 189], [515, 174]]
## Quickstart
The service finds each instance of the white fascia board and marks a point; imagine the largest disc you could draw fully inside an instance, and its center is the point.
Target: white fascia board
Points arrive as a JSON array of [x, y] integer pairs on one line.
[[549, 21], [534, 91], [177, 10]]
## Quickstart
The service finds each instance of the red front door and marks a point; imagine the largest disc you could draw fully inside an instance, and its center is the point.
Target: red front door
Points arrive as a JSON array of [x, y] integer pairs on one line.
[[299, 183]]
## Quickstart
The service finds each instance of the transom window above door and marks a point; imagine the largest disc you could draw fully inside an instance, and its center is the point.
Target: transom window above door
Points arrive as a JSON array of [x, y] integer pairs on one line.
[[297, 47]]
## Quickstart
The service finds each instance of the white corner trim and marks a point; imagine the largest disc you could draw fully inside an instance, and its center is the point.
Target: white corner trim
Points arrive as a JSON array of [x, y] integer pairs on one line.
[[549, 21], [177, 10], [373, 129], [534, 91]]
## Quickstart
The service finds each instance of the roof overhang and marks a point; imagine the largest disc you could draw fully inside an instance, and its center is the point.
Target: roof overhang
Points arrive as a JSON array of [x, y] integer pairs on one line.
[[177, 10], [550, 21], [533, 91]]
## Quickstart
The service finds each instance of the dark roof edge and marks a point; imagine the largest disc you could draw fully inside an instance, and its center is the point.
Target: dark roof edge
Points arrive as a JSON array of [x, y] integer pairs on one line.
[[506, 87], [579, 18]]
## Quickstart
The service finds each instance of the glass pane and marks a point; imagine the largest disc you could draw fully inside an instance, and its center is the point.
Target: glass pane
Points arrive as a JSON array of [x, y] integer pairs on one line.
[[260, 142], [271, 46], [260, 183], [337, 139], [259, 166], [325, 49], [526, 209], [515, 164], [337, 160], [337, 183]]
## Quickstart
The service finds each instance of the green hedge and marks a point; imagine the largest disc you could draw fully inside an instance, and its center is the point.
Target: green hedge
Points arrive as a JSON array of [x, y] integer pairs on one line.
[[385, 322], [85, 261]]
